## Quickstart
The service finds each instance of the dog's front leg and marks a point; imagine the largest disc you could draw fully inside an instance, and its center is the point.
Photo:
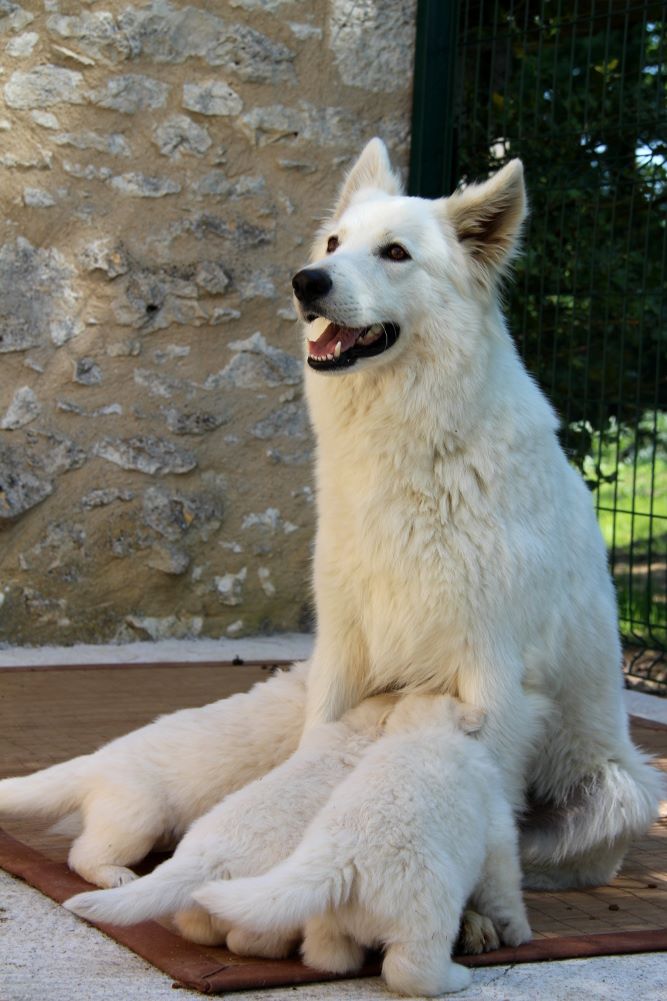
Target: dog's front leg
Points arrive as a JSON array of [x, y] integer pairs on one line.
[[514, 720], [337, 679], [338, 672], [514, 717]]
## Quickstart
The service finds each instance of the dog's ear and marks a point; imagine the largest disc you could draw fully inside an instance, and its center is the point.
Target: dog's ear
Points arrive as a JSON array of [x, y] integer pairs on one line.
[[487, 219], [372, 170]]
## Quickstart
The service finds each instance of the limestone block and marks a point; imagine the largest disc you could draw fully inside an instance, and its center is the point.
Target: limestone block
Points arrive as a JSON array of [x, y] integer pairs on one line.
[[212, 97], [257, 364], [372, 42], [289, 420], [146, 454], [230, 587], [43, 86], [37, 297], [129, 93], [20, 488], [179, 134], [139, 185], [23, 409]]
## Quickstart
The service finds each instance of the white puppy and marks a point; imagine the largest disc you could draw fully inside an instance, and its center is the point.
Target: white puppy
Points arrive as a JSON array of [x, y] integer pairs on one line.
[[246, 834], [394, 855], [144, 789]]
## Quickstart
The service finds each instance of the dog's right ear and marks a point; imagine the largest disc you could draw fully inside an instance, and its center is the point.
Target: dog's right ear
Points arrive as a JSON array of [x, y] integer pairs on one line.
[[372, 170]]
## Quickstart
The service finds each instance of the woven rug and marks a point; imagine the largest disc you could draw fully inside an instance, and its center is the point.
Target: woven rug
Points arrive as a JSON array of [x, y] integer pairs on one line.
[[51, 714]]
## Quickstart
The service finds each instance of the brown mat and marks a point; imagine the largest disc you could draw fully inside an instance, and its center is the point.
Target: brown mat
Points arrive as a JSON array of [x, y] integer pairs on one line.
[[48, 715]]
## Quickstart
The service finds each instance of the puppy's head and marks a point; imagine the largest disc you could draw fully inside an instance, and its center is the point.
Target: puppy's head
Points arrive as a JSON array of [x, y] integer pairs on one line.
[[392, 274], [417, 711]]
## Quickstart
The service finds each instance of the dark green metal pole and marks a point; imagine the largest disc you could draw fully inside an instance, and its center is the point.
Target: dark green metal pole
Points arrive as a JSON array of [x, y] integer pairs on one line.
[[433, 148]]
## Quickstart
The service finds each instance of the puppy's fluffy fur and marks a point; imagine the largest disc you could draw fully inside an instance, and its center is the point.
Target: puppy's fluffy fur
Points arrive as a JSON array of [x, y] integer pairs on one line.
[[144, 790], [246, 834], [394, 855]]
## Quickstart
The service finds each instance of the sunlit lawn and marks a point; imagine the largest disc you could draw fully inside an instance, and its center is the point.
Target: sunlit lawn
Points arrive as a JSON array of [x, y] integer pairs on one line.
[[632, 512]]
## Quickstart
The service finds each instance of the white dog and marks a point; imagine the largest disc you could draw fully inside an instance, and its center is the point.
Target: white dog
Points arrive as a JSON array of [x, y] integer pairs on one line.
[[470, 560], [245, 835], [394, 855], [144, 790]]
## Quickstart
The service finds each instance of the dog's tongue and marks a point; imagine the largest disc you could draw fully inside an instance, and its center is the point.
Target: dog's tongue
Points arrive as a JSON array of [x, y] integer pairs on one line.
[[326, 342]]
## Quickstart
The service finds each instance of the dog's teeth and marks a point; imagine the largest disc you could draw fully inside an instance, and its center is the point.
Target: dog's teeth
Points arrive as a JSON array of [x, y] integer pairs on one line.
[[337, 350], [376, 329]]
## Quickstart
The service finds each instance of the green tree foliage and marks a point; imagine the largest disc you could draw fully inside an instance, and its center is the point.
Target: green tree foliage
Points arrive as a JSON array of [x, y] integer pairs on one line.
[[578, 91]]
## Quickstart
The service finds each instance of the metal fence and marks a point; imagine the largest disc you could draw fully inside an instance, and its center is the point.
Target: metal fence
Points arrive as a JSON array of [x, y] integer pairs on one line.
[[578, 90]]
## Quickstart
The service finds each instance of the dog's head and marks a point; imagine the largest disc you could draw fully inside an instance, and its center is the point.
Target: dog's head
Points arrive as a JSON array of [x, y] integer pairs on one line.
[[385, 265]]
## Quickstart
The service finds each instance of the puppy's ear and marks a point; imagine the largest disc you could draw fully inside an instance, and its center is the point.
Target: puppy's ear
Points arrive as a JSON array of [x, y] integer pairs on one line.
[[487, 219], [372, 170], [470, 718]]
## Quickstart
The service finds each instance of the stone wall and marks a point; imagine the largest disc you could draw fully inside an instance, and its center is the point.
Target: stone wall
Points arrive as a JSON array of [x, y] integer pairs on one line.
[[162, 168]]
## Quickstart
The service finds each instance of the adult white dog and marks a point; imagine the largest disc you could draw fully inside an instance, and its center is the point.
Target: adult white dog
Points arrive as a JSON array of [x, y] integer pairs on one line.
[[394, 855], [457, 551], [245, 835]]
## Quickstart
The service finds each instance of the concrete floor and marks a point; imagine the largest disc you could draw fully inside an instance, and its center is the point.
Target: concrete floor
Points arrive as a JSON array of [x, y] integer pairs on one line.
[[47, 954]]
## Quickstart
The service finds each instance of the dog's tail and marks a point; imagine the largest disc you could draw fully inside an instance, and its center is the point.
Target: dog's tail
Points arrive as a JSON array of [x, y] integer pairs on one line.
[[51, 793], [165, 890], [586, 837], [304, 885]]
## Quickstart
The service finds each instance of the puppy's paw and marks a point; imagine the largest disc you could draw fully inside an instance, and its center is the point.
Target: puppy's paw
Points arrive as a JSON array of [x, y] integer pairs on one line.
[[198, 926], [477, 934], [333, 953], [267, 945]]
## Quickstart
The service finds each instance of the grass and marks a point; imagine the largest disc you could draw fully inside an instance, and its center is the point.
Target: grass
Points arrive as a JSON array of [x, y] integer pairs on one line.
[[631, 502]]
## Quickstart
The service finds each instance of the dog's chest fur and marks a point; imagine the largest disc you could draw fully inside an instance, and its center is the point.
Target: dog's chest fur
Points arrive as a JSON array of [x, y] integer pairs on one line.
[[416, 530]]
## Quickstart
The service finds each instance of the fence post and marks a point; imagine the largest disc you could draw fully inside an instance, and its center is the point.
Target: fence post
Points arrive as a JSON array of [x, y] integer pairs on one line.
[[433, 148]]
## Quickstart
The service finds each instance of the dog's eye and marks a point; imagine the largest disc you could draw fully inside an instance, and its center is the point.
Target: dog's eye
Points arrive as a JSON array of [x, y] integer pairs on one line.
[[395, 252], [332, 244]]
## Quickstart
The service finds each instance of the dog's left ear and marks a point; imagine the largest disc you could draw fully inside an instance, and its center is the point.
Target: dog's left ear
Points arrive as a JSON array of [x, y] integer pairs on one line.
[[372, 170], [487, 219]]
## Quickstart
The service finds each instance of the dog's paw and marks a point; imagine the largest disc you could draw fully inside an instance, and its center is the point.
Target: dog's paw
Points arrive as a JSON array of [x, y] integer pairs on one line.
[[105, 876], [515, 932], [477, 934]]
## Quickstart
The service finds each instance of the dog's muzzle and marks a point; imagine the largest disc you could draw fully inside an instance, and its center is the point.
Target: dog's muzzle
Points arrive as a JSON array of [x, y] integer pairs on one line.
[[311, 284], [338, 347]]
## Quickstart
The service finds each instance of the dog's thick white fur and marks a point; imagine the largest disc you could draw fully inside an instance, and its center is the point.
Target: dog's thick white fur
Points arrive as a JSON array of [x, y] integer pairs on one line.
[[144, 790], [394, 855], [457, 550], [245, 835]]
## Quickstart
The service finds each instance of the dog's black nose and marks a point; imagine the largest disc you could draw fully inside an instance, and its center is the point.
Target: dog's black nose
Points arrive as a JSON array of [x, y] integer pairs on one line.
[[311, 284]]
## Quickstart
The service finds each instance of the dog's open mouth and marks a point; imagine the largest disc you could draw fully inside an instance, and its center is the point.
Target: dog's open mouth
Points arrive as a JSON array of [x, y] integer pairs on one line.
[[340, 347]]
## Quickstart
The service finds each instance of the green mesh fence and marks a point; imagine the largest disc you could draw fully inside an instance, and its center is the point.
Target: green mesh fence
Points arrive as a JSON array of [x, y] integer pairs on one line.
[[578, 91]]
